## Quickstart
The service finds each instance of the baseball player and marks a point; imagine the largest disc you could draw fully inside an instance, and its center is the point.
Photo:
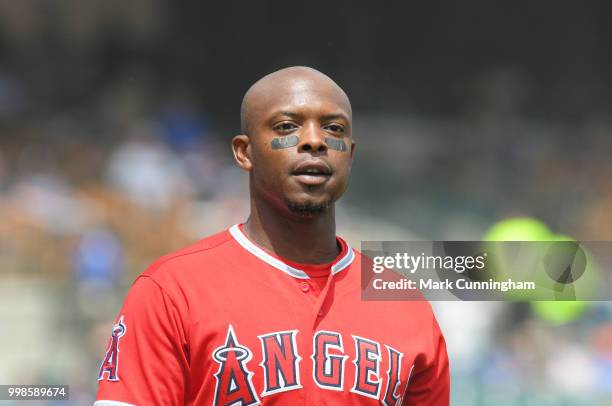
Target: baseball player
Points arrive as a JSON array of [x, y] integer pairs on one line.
[[269, 311]]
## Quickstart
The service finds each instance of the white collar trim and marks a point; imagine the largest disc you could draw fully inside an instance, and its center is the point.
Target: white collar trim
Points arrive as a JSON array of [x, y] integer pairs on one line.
[[242, 239]]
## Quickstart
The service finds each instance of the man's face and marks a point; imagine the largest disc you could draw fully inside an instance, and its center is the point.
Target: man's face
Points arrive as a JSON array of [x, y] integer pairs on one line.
[[310, 176]]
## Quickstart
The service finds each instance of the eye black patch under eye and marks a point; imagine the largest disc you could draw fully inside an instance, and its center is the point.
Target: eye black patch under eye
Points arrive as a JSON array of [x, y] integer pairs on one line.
[[335, 144], [287, 141]]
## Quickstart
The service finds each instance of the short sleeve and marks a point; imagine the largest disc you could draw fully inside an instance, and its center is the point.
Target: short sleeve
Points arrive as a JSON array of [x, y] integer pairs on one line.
[[147, 358], [429, 383]]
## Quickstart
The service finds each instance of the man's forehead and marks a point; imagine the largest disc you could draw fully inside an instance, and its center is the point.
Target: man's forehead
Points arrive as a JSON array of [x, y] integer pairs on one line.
[[294, 88], [303, 97]]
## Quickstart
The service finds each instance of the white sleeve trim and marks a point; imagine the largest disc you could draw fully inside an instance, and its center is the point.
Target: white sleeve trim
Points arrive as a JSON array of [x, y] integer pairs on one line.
[[111, 403]]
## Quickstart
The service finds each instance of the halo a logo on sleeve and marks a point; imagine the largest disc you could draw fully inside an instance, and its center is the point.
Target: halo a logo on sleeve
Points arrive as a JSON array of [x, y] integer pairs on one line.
[[110, 364]]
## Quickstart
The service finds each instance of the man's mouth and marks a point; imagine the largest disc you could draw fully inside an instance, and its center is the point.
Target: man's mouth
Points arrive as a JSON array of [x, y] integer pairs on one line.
[[312, 172]]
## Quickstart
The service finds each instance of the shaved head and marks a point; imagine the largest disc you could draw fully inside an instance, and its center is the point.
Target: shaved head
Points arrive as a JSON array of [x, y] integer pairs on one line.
[[277, 85], [296, 143]]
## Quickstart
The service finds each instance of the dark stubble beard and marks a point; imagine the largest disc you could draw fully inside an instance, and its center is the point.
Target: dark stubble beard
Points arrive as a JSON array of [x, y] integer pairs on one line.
[[307, 209]]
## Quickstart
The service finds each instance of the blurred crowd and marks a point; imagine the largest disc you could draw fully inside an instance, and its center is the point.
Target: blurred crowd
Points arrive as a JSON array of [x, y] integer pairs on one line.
[[87, 203], [454, 175]]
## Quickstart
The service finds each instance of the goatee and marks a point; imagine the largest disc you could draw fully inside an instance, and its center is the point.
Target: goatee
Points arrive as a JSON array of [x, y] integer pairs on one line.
[[307, 209]]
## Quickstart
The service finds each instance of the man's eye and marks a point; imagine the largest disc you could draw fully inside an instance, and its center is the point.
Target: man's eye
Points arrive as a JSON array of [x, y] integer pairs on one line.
[[284, 127], [337, 128]]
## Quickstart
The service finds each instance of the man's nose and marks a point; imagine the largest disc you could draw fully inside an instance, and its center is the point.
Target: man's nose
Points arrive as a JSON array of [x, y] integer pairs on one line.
[[312, 139]]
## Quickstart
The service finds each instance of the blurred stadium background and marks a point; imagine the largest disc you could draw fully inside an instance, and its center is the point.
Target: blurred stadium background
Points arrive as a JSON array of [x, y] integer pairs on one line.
[[115, 121]]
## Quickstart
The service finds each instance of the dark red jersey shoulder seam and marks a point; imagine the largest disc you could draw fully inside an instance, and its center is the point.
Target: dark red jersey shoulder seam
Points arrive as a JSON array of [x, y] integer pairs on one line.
[[194, 249]]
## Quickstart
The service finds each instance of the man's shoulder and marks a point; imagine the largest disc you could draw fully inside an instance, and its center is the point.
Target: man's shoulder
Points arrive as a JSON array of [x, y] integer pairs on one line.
[[193, 255]]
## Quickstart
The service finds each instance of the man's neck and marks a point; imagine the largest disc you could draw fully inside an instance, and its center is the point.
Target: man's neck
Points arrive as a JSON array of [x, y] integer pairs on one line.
[[307, 240]]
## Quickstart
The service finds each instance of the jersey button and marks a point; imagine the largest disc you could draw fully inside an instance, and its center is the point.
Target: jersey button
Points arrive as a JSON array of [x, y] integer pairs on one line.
[[304, 286]]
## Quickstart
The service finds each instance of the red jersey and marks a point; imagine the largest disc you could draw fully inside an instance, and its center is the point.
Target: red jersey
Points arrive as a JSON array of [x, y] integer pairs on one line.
[[223, 322]]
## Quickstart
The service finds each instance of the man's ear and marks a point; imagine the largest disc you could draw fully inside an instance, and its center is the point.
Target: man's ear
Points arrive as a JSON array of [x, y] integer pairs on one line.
[[353, 146], [241, 147]]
